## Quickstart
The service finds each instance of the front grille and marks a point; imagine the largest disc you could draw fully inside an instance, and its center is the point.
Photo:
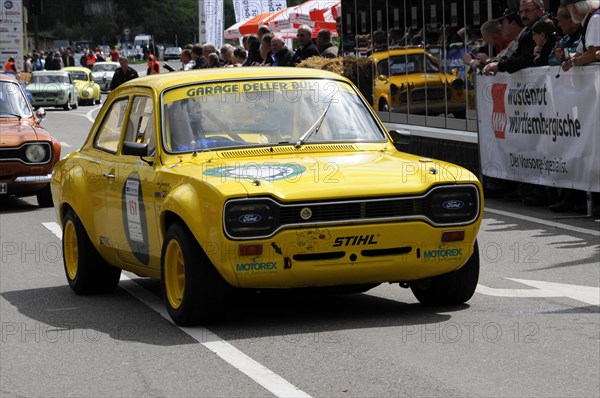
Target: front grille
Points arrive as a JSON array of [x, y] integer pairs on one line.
[[368, 209], [429, 94], [447, 205], [45, 94]]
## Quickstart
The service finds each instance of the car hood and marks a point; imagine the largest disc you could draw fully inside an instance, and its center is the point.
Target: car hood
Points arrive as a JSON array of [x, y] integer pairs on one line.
[[47, 86], [100, 75], [15, 132], [321, 176]]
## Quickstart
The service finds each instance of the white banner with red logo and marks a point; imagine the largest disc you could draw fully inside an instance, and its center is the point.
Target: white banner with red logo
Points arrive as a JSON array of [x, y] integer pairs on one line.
[[539, 128], [11, 32], [211, 22]]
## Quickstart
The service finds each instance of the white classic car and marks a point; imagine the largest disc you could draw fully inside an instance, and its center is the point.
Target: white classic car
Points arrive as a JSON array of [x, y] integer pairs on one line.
[[103, 72]]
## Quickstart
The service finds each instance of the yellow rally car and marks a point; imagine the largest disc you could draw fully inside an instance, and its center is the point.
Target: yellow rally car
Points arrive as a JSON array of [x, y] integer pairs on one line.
[[88, 89], [410, 80], [260, 178]]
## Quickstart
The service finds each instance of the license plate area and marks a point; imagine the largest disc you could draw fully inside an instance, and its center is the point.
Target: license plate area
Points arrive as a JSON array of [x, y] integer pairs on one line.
[[3, 188]]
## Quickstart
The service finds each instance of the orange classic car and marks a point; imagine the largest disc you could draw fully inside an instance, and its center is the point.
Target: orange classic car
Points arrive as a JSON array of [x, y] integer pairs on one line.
[[27, 151]]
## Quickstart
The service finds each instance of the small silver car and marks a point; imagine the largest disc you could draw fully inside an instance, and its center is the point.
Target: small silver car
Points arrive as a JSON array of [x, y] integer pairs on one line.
[[103, 72]]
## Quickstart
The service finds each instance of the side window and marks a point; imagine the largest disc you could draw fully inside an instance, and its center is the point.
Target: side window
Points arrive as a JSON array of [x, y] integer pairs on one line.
[[140, 127], [383, 68], [107, 138]]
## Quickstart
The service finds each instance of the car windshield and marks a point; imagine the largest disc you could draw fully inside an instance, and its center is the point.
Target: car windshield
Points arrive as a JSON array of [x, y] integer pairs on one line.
[[412, 63], [265, 113], [13, 102], [49, 79], [105, 67], [78, 75]]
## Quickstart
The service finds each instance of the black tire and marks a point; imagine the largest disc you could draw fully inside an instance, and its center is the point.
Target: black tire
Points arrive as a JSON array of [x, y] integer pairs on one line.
[[44, 197], [67, 106], [74, 106], [87, 272], [383, 106], [454, 288], [193, 291]]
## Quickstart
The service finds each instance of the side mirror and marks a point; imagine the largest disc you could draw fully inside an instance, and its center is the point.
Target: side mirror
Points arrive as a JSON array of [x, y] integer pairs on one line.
[[454, 72], [400, 137], [383, 78], [135, 149], [40, 114]]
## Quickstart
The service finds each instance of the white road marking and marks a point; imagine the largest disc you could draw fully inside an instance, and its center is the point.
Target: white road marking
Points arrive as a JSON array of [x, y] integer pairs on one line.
[[271, 381], [89, 114], [586, 294], [65, 144], [54, 228], [544, 222]]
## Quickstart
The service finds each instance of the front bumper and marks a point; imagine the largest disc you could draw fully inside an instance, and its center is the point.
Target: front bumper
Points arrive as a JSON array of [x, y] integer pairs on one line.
[[347, 255]]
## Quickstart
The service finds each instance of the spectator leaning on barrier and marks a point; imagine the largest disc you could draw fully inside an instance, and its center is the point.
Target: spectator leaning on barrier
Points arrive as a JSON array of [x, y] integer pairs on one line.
[[491, 32], [544, 36], [586, 12], [570, 40], [530, 12]]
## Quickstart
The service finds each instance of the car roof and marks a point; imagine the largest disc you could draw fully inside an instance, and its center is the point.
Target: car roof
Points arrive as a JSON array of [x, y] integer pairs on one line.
[[164, 81]]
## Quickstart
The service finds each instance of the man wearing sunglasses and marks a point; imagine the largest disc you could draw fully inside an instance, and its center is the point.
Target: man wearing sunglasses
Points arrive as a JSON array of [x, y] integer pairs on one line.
[[307, 48], [530, 12]]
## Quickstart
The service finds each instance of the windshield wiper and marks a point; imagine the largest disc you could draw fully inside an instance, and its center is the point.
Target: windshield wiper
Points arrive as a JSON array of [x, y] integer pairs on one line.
[[314, 129]]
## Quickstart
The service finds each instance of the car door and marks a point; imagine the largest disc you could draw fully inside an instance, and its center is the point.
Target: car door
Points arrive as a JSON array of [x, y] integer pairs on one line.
[[132, 194], [101, 170]]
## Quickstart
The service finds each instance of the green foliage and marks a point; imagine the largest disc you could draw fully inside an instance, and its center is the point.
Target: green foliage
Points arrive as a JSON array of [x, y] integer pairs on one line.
[[167, 21]]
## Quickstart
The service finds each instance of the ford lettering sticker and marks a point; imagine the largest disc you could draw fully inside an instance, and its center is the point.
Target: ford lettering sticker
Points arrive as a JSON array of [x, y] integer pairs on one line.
[[453, 204], [250, 218]]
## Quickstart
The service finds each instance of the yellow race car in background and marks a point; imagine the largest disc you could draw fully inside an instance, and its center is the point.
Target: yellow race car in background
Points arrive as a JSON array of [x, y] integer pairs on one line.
[[410, 80], [89, 91], [260, 178]]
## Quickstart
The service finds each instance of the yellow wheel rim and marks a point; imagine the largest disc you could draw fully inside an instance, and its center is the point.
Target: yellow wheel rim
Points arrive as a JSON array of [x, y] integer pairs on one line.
[[174, 274], [71, 250]]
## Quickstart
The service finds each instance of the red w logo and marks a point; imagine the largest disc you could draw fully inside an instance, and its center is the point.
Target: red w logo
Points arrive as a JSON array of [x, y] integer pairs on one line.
[[499, 118]]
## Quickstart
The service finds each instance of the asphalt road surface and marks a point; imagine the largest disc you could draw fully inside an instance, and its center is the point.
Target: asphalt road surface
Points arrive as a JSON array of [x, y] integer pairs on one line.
[[531, 329]]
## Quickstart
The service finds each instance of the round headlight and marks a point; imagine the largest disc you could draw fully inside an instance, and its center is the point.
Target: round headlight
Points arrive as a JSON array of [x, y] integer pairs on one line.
[[35, 153]]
